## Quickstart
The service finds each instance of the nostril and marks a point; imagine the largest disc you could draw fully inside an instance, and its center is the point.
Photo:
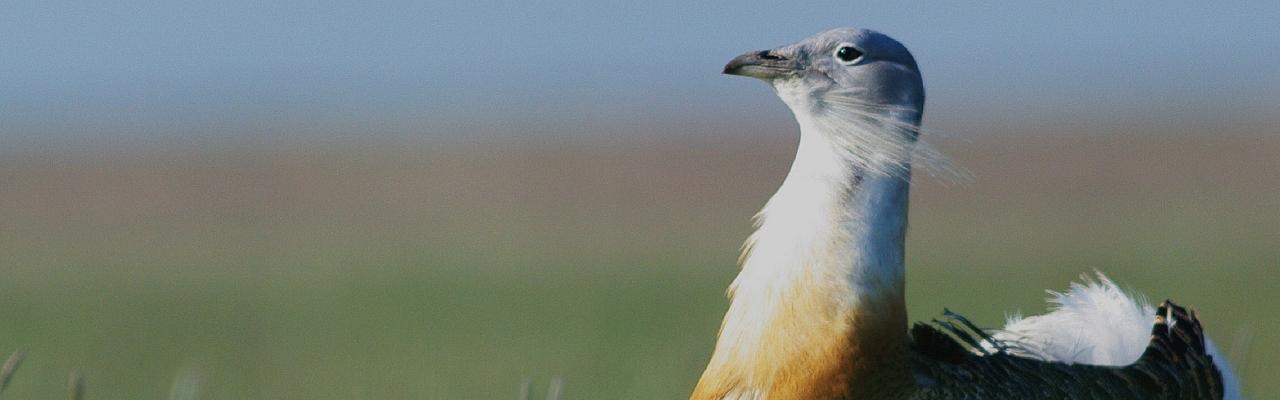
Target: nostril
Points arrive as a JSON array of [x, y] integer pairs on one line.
[[766, 55]]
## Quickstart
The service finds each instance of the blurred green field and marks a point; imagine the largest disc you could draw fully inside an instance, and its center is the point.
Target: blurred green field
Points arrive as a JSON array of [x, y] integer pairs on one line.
[[451, 270]]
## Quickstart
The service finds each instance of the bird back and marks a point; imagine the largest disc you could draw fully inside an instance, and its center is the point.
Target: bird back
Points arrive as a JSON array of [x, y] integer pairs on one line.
[[952, 359]]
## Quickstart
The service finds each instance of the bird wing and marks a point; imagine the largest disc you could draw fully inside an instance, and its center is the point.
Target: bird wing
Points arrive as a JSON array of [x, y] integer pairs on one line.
[[952, 359]]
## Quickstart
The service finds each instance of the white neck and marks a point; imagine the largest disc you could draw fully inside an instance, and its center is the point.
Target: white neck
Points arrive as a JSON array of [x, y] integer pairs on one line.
[[832, 219], [823, 271]]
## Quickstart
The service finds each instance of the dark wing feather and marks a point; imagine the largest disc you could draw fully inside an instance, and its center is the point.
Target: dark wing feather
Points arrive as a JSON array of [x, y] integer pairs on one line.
[[950, 363]]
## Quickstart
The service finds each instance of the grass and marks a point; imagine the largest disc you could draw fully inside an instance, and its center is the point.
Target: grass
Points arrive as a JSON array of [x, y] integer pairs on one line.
[[462, 273]]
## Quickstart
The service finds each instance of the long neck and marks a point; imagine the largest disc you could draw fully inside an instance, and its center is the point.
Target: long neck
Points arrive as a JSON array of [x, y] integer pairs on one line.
[[818, 309]]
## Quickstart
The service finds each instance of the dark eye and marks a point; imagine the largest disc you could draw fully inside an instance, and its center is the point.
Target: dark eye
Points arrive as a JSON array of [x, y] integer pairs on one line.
[[848, 54]]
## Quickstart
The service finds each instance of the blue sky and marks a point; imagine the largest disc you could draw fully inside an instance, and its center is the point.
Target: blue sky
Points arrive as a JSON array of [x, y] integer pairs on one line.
[[143, 70]]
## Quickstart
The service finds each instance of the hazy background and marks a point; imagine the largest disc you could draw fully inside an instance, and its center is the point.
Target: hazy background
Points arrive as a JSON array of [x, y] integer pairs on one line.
[[434, 200]]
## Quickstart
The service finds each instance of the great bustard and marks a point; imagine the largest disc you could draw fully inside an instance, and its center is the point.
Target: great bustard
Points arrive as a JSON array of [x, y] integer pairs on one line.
[[818, 312]]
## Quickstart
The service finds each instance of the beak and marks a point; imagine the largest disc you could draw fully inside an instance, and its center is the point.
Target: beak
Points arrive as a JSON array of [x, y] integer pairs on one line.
[[767, 64]]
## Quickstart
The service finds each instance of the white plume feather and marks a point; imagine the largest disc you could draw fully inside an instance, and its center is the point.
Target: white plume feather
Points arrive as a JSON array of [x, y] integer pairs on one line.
[[1097, 323]]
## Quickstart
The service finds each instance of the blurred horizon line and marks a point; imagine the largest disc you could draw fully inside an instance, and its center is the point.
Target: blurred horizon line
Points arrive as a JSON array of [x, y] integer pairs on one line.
[[766, 126]]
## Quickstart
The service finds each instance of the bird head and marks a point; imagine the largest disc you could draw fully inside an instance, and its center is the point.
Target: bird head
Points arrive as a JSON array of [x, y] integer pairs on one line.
[[847, 70]]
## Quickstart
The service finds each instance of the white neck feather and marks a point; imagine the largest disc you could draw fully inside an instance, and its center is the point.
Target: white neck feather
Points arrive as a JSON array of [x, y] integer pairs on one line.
[[836, 215], [832, 234]]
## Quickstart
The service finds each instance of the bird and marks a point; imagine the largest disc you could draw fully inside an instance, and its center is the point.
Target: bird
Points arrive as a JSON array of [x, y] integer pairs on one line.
[[818, 312]]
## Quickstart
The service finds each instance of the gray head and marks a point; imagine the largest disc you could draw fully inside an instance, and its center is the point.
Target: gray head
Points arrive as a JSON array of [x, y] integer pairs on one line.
[[845, 66]]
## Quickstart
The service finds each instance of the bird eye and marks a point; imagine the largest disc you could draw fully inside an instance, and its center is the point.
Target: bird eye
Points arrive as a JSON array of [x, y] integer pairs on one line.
[[847, 54]]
